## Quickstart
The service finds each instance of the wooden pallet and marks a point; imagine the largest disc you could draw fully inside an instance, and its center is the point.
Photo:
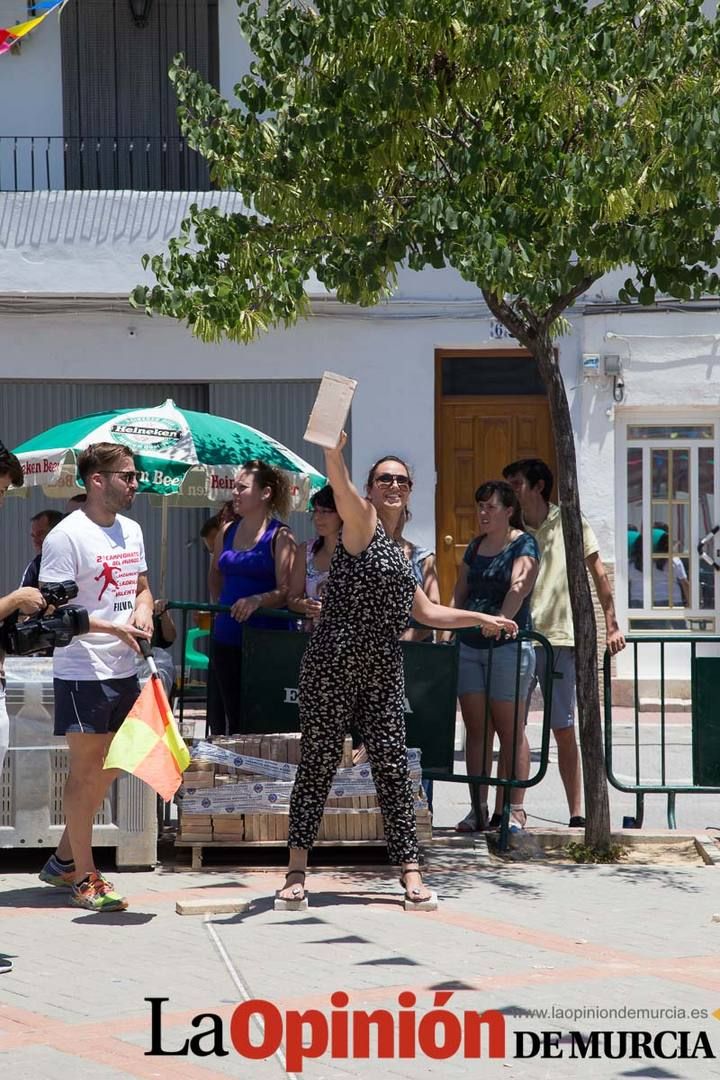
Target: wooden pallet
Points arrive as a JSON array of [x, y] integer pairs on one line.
[[198, 848]]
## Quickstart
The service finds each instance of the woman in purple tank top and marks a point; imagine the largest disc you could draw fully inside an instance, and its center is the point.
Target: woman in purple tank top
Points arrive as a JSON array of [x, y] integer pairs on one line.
[[250, 569]]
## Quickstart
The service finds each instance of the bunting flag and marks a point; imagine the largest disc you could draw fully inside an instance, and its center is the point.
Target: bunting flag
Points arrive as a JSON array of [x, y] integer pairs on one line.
[[11, 35], [148, 743]]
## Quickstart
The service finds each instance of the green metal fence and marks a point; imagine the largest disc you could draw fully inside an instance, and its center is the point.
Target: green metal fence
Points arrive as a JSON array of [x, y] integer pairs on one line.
[[268, 687], [656, 777], [270, 667]]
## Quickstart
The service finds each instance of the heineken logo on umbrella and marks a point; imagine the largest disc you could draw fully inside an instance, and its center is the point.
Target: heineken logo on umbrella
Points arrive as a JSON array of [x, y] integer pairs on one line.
[[147, 433]]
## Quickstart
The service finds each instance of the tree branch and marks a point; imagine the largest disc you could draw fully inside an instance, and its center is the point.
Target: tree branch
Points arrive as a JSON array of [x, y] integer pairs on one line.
[[563, 302], [523, 330], [438, 156], [470, 117]]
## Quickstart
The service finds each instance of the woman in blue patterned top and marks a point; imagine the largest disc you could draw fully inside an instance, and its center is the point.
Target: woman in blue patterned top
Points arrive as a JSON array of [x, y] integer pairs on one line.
[[497, 576]]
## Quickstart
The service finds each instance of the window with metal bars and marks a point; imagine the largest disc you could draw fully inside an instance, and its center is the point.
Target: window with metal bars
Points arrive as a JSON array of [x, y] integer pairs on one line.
[[671, 486]]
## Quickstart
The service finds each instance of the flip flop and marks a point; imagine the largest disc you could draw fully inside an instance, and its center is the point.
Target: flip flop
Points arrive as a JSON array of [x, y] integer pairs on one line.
[[298, 891], [413, 897]]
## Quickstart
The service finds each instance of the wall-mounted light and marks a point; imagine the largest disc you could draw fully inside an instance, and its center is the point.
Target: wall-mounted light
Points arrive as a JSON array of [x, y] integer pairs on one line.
[[612, 366], [140, 11]]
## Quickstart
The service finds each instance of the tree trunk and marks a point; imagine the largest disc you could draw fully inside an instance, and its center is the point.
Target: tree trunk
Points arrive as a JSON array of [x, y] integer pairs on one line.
[[533, 331], [597, 807]]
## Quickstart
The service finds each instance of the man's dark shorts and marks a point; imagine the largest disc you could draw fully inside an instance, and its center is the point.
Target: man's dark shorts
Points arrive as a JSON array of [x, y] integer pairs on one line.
[[93, 706]]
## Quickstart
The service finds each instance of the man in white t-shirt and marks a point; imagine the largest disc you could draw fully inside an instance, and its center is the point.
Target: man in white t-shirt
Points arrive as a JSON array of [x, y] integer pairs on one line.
[[95, 678], [26, 600]]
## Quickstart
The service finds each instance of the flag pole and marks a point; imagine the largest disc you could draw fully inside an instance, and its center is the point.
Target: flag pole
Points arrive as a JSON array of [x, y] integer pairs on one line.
[[146, 650], [163, 546]]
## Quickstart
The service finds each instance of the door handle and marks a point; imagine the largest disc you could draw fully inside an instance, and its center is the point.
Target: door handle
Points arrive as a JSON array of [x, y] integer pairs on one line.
[[448, 541]]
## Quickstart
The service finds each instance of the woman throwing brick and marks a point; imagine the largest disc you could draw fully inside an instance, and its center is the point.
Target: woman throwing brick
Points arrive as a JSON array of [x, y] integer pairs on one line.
[[352, 674]]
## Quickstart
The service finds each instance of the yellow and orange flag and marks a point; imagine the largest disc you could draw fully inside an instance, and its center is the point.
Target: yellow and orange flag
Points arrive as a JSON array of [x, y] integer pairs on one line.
[[148, 743], [11, 35]]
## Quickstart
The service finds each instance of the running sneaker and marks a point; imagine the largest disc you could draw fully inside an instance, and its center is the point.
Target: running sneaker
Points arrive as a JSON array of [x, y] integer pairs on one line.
[[97, 894], [5, 965], [53, 874]]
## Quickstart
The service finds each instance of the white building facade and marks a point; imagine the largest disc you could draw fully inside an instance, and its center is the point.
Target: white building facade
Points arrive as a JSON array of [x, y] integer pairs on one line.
[[440, 384]]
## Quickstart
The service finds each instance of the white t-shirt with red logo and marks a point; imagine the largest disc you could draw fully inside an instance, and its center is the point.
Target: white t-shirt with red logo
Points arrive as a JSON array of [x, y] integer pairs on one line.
[[104, 561]]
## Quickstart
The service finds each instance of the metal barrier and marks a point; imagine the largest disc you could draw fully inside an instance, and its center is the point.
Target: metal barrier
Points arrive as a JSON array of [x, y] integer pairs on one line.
[[704, 747], [103, 162], [269, 678]]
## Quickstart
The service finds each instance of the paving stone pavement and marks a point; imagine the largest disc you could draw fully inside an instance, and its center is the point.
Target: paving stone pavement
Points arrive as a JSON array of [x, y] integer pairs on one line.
[[509, 936]]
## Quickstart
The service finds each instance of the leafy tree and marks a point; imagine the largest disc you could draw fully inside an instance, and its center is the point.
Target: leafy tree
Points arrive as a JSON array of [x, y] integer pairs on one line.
[[533, 145]]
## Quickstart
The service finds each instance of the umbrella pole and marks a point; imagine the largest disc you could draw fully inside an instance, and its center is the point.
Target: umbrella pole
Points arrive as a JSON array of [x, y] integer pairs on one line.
[[163, 547]]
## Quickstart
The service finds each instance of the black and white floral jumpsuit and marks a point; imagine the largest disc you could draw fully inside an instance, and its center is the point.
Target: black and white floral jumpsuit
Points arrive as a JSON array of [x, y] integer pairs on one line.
[[352, 674]]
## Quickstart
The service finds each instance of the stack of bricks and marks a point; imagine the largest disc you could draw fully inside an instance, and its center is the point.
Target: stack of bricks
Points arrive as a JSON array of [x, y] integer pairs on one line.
[[356, 818]]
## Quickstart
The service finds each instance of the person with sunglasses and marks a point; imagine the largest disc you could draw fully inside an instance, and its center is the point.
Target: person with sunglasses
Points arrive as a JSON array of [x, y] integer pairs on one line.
[[311, 563], [389, 485], [352, 672], [95, 680]]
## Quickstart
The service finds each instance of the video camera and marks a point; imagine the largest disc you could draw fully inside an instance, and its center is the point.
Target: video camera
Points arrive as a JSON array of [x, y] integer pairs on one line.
[[42, 632]]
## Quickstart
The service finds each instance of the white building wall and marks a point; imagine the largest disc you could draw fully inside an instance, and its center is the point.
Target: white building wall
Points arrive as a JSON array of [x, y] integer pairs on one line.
[[80, 243], [393, 360], [235, 56], [31, 77], [669, 364], [71, 244], [89, 242], [74, 244]]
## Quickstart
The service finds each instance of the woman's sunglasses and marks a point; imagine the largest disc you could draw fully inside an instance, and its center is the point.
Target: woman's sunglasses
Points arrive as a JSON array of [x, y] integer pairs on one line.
[[387, 479]]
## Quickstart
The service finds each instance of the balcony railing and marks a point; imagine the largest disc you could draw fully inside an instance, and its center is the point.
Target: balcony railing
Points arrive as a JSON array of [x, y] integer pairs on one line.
[[102, 163]]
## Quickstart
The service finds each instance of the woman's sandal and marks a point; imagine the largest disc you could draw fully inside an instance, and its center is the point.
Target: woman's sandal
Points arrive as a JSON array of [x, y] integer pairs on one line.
[[518, 819], [413, 899], [298, 895]]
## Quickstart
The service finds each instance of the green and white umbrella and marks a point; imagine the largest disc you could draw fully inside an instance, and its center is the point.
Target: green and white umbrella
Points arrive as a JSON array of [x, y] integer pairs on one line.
[[184, 457], [190, 455]]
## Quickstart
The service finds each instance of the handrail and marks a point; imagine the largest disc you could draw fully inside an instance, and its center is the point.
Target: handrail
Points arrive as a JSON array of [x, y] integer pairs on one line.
[[639, 788], [474, 781], [101, 162]]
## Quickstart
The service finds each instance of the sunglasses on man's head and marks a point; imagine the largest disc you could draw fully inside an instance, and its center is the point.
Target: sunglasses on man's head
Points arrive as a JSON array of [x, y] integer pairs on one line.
[[387, 479]]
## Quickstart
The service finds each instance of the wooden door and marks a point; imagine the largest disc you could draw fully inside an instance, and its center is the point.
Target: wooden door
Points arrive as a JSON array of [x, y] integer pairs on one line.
[[476, 438]]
